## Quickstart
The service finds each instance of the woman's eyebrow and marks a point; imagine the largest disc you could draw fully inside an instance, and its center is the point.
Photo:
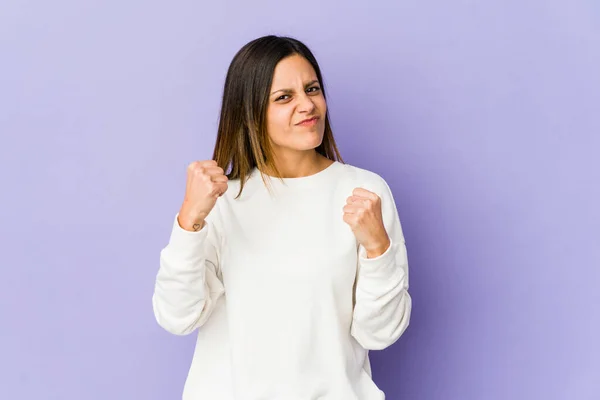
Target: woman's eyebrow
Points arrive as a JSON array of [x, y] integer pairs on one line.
[[291, 90]]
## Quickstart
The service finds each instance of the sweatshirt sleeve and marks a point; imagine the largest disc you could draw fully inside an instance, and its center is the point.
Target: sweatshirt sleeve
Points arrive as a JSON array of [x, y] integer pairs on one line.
[[188, 282], [382, 303]]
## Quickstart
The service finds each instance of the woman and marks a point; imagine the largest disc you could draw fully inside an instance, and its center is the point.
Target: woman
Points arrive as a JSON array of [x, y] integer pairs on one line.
[[292, 265]]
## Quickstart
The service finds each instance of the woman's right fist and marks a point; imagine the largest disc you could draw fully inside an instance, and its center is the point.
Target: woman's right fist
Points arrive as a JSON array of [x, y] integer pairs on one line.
[[206, 182]]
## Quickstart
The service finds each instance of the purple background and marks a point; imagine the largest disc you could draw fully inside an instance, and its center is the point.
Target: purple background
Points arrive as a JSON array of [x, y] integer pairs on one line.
[[484, 117]]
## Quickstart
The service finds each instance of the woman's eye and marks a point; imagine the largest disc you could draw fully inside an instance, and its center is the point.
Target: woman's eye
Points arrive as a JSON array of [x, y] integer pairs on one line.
[[313, 89]]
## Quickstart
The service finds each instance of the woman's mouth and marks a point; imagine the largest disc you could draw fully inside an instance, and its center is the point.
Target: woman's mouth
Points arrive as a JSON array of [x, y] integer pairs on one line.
[[309, 122]]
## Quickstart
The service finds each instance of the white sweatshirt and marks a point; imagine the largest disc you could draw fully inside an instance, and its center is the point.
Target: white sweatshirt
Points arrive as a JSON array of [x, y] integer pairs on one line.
[[286, 302]]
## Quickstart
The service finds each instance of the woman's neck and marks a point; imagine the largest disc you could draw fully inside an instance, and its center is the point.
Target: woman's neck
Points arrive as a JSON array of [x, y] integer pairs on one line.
[[298, 167]]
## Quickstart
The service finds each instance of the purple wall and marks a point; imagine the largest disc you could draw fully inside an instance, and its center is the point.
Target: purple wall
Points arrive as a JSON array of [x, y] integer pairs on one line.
[[484, 117]]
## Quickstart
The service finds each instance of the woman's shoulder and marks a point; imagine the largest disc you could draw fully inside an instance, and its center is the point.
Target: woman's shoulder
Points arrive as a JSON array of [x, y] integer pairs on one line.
[[363, 177]]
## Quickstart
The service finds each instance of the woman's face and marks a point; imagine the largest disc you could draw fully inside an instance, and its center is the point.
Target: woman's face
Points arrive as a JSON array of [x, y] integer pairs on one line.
[[295, 96]]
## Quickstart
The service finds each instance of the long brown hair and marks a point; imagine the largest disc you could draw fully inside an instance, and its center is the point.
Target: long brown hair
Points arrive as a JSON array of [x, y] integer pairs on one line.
[[242, 141]]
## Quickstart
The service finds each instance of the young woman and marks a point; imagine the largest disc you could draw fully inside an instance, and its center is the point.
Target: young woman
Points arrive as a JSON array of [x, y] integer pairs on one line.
[[293, 264]]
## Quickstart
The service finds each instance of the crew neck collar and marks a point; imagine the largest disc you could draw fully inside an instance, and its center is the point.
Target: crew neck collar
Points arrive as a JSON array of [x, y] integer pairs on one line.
[[303, 179]]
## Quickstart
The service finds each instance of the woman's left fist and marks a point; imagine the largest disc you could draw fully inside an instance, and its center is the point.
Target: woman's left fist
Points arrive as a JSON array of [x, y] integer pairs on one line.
[[362, 213]]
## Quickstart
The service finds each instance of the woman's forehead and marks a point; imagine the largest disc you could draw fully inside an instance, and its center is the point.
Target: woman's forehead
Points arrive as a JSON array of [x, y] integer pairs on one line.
[[293, 70]]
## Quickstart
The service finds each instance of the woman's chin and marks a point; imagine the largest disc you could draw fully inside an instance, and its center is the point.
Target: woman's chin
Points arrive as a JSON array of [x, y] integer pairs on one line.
[[313, 143]]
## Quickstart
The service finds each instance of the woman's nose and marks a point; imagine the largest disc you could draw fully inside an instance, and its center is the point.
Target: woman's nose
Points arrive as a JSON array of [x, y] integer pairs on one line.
[[306, 104]]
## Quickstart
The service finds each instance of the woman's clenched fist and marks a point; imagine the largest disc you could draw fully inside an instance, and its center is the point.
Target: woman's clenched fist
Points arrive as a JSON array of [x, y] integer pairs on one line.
[[206, 182]]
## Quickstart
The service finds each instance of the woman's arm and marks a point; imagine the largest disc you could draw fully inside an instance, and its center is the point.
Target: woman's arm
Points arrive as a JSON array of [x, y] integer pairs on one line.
[[188, 282], [382, 302]]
